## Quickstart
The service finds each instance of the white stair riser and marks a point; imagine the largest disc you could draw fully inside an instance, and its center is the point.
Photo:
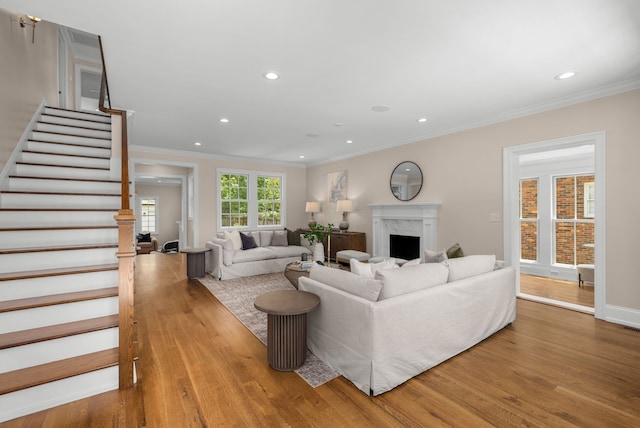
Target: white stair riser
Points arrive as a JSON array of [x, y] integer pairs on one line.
[[70, 139], [34, 287], [64, 129], [65, 160], [34, 354], [61, 172], [58, 314], [88, 123], [53, 394], [78, 115], [20, 200], [22, 262], [52, 238], [46, 185], [10, 219], [67, 149]]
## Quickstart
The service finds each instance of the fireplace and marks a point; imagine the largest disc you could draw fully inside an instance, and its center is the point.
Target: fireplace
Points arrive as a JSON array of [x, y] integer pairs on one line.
[[404, 247], [418, 220]]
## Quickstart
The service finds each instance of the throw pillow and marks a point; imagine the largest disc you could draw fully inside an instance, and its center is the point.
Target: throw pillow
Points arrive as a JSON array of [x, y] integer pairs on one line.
[[435, 256], [413, 262], [279, 238], [234, 236], [346, 281], [293, 236], [368, 270], [248, 242], [265, 237], [455, 251], [227, 250], [396, 282], [464, 267], [144, 237]]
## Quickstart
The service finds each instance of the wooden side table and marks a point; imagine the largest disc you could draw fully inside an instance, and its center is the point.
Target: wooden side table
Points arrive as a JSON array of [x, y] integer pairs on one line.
[[286, 326], [195, 261]]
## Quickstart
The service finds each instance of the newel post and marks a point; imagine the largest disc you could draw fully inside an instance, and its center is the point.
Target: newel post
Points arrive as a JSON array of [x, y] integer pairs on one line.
[[126, 253]]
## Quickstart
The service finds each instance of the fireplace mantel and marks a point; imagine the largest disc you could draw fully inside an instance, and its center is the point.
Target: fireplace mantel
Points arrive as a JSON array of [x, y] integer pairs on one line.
[[413, 219]]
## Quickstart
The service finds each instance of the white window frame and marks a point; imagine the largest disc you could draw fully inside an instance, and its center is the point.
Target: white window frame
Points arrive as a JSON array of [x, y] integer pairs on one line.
[[157, 221], [589, 202], [252, 197], [531, 220]]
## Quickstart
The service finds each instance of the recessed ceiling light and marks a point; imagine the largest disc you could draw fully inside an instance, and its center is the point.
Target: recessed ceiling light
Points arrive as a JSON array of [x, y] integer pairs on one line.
[[271, 75], [312, 135], [337, 124], [349, 141], [565, 75], [301, 156], [380, 109], [223, 120], [198, 143], [422, 120]]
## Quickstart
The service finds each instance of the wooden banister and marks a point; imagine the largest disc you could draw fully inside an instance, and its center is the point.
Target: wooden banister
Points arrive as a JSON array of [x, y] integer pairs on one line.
[[126, 251]]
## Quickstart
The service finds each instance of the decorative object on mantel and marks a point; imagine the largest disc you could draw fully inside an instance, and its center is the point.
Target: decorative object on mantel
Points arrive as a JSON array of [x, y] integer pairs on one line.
[[337, 186], [315, 236], [406, 181], [346, 206], [312, 207]]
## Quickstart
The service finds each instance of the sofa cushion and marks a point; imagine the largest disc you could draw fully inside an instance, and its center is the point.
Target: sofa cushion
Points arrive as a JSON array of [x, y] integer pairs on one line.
[[435, 256], [368, 270], [346, 281], [289, 251], [253, 255], [265, 238], [465, 267], [227, 250], [248, 241], [279, 238], [144, 237], [234, 236], [396, 282], [455, 251], [293, 236]]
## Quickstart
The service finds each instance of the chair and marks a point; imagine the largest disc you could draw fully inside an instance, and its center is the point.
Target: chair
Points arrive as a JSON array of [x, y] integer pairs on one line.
[[585, 274]]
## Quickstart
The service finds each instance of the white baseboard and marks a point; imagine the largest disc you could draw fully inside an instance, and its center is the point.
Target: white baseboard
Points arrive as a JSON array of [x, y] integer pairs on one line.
[[624, 316]]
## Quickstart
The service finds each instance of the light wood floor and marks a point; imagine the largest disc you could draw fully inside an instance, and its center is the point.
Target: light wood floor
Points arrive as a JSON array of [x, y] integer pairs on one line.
[[564, 291], [200, 367]]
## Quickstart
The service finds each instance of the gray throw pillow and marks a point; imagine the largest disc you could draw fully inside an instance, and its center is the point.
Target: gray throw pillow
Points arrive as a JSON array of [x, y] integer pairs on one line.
[[279, 238], [248, 242], [435, 256]]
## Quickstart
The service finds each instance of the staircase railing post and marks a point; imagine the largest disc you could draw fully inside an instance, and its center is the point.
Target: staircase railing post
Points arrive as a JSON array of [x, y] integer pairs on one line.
[[126, 256]]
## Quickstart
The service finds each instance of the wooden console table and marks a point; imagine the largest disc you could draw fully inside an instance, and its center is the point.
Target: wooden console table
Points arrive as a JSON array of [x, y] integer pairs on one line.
[[346, 241]]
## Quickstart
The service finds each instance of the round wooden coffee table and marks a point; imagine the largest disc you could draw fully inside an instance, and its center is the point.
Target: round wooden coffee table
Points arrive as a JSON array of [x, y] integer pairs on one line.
[[286, 326], [294, 270]]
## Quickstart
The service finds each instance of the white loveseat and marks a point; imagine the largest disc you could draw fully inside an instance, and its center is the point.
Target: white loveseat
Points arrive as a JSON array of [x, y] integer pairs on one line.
[[229, 258], [380, 332]]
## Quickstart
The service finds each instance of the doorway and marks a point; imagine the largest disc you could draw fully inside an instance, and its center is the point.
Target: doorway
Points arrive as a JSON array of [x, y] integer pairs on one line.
[[514, 169]]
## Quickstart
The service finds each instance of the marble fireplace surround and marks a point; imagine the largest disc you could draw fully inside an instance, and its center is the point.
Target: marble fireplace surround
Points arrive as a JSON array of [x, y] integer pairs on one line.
[[410, 219]]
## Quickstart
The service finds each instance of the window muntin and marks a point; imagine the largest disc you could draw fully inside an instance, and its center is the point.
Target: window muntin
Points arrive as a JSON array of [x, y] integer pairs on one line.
[[573, 230], [269, 200], [529, 219], [234, 195], [148, 221]]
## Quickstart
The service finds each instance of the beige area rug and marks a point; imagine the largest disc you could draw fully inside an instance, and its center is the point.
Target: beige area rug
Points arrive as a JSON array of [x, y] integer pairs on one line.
[[237, 295]]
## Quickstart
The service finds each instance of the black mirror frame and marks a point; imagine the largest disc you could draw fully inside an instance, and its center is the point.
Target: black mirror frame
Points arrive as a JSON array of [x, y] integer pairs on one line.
[[391, 181]]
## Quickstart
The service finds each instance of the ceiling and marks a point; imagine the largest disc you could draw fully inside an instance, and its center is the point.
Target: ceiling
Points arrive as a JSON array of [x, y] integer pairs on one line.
[[182, 66]]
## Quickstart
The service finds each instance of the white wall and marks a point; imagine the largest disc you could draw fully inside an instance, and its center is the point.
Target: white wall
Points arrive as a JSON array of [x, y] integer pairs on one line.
[[169, 209], [463, 171]]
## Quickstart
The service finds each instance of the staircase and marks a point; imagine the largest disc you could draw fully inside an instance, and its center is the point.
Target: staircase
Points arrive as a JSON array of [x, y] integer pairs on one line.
[[58, 266]]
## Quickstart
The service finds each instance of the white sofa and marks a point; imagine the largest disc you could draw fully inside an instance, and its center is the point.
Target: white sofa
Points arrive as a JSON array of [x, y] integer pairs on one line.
[[380, 332], [229, 259]]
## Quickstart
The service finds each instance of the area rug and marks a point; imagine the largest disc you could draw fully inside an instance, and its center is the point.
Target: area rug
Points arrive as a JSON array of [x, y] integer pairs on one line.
[[237, 295]]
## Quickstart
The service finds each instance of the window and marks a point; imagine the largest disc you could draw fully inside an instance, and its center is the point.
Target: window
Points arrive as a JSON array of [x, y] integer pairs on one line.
[[148, 209], [589, 200], [529, 219], [573, 228], [250, 199]]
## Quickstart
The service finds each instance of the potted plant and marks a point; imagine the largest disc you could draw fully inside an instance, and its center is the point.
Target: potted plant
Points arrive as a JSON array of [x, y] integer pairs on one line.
[[316, 235]]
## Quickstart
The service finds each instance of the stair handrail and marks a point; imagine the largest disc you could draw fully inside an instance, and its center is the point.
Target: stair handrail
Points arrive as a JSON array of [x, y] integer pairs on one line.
[[126, 252]]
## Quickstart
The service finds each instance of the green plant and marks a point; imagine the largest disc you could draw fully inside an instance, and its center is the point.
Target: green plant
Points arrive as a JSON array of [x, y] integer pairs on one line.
[[318, 233]]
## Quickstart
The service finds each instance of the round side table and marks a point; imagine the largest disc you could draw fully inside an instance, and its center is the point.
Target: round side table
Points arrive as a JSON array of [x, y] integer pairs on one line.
[[286, 326], [195, 261]]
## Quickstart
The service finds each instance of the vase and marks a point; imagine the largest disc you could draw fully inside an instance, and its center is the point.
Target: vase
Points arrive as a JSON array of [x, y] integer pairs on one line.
[[318, 252]]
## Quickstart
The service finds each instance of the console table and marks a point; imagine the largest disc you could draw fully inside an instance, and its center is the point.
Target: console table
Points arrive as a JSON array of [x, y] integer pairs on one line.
[[345, 241]]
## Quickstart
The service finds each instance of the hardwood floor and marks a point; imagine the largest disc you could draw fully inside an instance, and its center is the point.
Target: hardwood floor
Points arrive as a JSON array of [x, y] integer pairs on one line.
[[564, 291], [200, 367]]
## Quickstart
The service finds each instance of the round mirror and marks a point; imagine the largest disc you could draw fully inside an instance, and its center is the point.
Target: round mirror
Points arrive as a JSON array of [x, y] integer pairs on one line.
[[406, 181]]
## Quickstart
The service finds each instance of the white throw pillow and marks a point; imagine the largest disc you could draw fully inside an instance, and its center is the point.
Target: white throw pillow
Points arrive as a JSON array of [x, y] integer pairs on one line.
[[414, 262], [234, 236], [435, 256], [265, 237], [227, 250], [368, 270], [464, 267], [346, 281], [396, 282]]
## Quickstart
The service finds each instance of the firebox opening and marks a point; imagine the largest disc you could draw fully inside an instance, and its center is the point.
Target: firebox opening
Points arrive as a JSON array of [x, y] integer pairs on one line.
[[404, 247]]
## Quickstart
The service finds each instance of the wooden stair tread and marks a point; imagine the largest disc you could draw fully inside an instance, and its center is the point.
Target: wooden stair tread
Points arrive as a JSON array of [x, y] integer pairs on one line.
[[32, 192], [50, 332], [57, 299], [39, 152], [16, 229], [65, 134], [63, 166], [56, 248], [91, 180], [9, 276], [57, 370]]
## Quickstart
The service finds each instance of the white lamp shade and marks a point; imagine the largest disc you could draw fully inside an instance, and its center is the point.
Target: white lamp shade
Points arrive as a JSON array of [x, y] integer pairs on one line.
[[312, 207], [344, 205]]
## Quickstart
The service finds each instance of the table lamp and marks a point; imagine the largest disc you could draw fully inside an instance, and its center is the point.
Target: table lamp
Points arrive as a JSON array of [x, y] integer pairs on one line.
[[346, 206], [312, 207]]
